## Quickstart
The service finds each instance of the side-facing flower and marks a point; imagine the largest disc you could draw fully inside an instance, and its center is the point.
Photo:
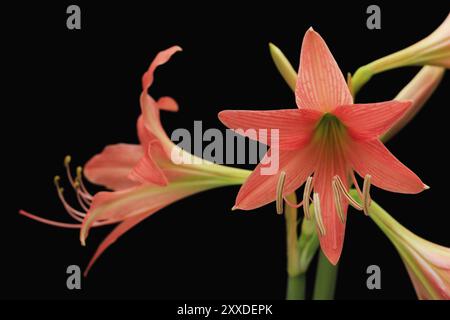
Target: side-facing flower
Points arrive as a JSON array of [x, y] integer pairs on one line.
[[418, 91], [433, 50], [145, 178], [427, 263], [322, 143]]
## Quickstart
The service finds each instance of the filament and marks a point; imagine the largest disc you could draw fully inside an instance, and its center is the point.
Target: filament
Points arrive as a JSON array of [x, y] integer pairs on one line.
[[345, 193]]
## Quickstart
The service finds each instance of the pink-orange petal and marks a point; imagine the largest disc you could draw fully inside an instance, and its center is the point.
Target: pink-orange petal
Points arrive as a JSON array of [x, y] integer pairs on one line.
[[147, 169], [124, 204], [369, 121], [161, 58], [260, 189], [167, 104], [330, 164], [118, 231], [111, 167], [320, 83], [372, 157], [295, 127]]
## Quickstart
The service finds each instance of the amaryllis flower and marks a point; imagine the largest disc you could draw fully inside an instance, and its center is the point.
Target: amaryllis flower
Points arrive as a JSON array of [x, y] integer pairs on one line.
[[433, 50], [146, 177], [322, 143], [427, 263]]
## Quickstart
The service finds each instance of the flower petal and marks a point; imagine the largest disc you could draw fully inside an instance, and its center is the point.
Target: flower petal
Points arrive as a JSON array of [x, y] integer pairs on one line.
[[133, 202], [161, 58], [150, 127], [369, 121], [329, 165], [320, 83], [259, 189], [372, 157], [167, 104], [111, 167], [114, 235], [147, 169], [295, 126]]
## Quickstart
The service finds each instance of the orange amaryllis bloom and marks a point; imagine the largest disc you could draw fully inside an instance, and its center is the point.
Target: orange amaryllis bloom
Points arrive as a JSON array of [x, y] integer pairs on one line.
[[433, 50], [144, 176], [427, 263], [321, 143]]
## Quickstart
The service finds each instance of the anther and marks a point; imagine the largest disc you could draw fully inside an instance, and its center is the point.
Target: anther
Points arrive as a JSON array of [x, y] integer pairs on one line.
[[279, 192], [338, 201], [318, 214], [82, 188], [67, 161], [56, 182], [306, 197], [366, 194]]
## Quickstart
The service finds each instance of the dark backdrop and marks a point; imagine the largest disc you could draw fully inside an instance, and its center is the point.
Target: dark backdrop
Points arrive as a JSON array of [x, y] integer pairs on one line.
[[76, 91]]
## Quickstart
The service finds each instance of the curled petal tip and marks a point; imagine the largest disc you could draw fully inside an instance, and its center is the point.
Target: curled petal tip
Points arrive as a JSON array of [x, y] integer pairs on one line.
[[234, 208], [426, 187]]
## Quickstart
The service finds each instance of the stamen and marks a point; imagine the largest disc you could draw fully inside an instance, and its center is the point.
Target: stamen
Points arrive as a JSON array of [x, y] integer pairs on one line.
[[82, 202], [280, 197], [83, 188], [50, 222], [345, 193], [306, 197], [338, 201], [366, 194], [293, 205], [318, 214], [355, 182], [77, 215], [279, 192], [63, 224], [67, 160]]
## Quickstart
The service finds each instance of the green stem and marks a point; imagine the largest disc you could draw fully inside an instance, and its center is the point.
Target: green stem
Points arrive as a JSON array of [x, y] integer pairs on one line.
[[296, 278], [325, 279], [296, 287]]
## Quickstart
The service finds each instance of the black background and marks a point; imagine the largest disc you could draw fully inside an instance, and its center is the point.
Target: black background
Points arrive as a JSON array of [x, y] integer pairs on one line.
[[76, 91]]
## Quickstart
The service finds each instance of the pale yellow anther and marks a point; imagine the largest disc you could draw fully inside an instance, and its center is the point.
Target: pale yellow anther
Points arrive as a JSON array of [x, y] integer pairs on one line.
[[279, 192], [56, 180], [67, 160], [306, 197], [318, 214], [338, 201], [366, 194]]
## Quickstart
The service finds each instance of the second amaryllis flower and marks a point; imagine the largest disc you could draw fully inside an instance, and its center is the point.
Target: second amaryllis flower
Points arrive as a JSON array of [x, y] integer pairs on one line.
[[145, 177], [322, 143]]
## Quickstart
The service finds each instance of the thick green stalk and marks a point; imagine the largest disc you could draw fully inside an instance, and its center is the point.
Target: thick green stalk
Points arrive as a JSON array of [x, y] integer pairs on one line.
[[296, 286], [326, 275], [296, 278]]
